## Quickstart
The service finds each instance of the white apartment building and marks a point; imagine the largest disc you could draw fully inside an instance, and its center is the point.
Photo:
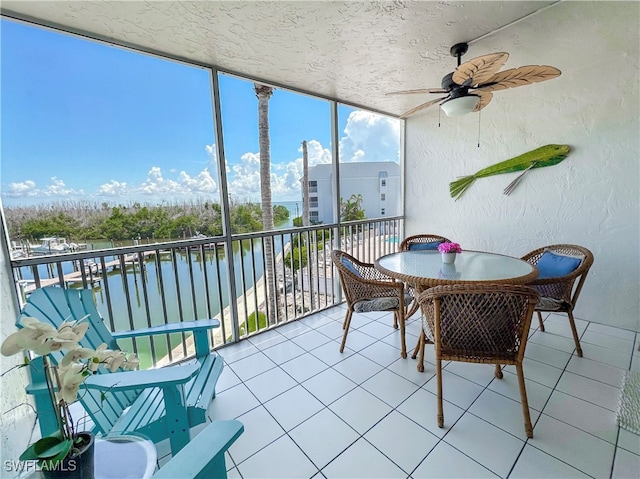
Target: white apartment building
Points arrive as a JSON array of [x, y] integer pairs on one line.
[[378, 183]]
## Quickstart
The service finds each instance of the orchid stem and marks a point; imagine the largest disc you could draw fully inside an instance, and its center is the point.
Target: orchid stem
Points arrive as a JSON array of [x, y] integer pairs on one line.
[[52, 393]]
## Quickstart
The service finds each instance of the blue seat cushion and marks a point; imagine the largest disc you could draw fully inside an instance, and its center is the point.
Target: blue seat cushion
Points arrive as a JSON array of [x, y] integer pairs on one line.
[[350, 266], [433, 245], [553, 265]]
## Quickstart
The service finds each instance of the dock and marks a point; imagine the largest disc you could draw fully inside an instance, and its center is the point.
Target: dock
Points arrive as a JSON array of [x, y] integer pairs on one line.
[[93, 273]]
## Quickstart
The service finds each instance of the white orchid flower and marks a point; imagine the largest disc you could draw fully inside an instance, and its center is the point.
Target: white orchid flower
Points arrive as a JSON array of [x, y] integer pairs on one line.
[[13, 343], [41, 338], [111, 359], [72, 331], [114, 360], [102, 352], [33, 323], [75, 353], [132, 362], [71, 377], [47, 347], [93, 365]]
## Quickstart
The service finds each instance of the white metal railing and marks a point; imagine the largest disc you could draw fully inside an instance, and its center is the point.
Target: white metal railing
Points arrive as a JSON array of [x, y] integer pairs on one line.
[[159, 283]]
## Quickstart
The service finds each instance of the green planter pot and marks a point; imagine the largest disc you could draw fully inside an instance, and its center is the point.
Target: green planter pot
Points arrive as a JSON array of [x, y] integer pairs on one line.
[[79, 464]]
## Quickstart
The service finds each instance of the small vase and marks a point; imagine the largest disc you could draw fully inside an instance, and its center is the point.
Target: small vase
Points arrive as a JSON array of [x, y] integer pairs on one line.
[[78, 465], [448, 271], [448, 258]]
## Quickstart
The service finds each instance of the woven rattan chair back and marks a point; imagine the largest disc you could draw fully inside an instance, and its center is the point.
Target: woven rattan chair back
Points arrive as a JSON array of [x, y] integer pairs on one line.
[[362, 282], [484, 323], [420, 239], [563, 290]]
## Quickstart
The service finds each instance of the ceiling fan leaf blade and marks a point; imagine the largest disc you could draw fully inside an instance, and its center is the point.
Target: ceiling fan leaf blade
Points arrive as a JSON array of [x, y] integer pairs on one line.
[[480, 68], [485, 98], [422, 107], [419, 90], [519, 77]]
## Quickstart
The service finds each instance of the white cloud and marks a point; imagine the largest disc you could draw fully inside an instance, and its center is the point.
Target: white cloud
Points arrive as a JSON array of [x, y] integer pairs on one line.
[[156, 184], [156, 187], [245, 180], [316, 153], [370, 137], [113, 188], [202, 183], [24, 188], [28, 188]]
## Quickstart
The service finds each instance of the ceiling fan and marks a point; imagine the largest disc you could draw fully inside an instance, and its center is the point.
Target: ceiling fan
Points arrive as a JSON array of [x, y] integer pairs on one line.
[[469, 87]]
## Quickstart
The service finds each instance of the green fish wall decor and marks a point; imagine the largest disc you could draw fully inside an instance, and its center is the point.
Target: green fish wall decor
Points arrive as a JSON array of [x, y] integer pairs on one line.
[[547, 155]]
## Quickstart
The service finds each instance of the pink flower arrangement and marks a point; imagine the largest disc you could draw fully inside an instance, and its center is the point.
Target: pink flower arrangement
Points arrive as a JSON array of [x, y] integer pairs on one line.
[[447, 247]]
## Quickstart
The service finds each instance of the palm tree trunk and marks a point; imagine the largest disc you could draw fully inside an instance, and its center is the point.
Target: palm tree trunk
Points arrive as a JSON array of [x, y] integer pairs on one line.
[[305, 185], [263, 93], [305, 218]]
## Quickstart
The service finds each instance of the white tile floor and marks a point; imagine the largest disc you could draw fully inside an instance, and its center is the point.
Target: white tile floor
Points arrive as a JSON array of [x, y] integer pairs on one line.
[[310, 411]]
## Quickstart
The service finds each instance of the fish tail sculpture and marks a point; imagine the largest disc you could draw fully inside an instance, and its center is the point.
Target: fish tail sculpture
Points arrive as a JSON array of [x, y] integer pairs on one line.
[[547, 155]]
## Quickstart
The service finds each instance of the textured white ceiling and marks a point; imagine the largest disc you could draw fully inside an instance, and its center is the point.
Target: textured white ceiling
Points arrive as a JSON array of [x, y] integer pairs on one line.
[[350, 51]]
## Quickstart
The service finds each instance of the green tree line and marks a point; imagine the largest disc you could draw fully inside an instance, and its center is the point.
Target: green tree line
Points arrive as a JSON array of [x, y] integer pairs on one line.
[[102, 221]]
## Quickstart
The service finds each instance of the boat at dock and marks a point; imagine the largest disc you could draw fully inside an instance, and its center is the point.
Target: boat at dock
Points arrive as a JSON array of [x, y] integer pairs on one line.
[[50, 245], [199, 236], [53, 245]]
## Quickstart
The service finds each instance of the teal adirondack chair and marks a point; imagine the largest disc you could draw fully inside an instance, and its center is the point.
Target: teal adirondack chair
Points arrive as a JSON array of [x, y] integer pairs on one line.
[[203, 457], [158, 403]]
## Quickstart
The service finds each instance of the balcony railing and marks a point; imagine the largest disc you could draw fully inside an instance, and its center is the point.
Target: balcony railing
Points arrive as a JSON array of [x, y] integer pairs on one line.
[[160, 283]]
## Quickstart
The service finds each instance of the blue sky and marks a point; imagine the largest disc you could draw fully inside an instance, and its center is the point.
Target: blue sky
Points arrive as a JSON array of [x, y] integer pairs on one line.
[[84, 121]]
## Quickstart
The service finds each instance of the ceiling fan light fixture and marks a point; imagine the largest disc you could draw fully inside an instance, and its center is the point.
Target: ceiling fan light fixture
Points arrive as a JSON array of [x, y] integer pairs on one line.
[[460, 105]]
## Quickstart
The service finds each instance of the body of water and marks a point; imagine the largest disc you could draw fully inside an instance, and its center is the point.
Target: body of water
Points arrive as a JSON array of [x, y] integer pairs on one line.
[[177, 287]]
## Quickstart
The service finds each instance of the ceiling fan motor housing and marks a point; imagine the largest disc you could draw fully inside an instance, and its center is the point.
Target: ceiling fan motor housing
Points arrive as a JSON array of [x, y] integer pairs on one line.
[[454, 89], [448, 83]]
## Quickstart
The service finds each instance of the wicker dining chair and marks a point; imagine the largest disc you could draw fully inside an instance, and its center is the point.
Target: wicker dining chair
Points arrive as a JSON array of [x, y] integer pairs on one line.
[[483, 323], [367, 289], [423, 241], [559, 267]]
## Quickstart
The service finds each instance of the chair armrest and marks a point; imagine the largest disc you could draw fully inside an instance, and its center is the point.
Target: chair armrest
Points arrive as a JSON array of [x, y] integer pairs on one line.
[[203, 456], [185, 326], [377, 289], [371, 273], [127, 380]]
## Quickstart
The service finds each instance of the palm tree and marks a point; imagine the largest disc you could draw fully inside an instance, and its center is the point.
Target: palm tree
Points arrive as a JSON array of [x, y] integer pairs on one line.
[[305, 185], [351, 210], [263, 93], [305, 214]]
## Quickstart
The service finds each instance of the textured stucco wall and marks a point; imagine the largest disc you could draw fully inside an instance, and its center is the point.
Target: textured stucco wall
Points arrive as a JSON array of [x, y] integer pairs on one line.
[[592, 198], [16, 420]]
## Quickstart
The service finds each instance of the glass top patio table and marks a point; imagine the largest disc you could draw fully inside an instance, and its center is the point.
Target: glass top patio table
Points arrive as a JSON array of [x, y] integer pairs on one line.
[[425, 269]]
